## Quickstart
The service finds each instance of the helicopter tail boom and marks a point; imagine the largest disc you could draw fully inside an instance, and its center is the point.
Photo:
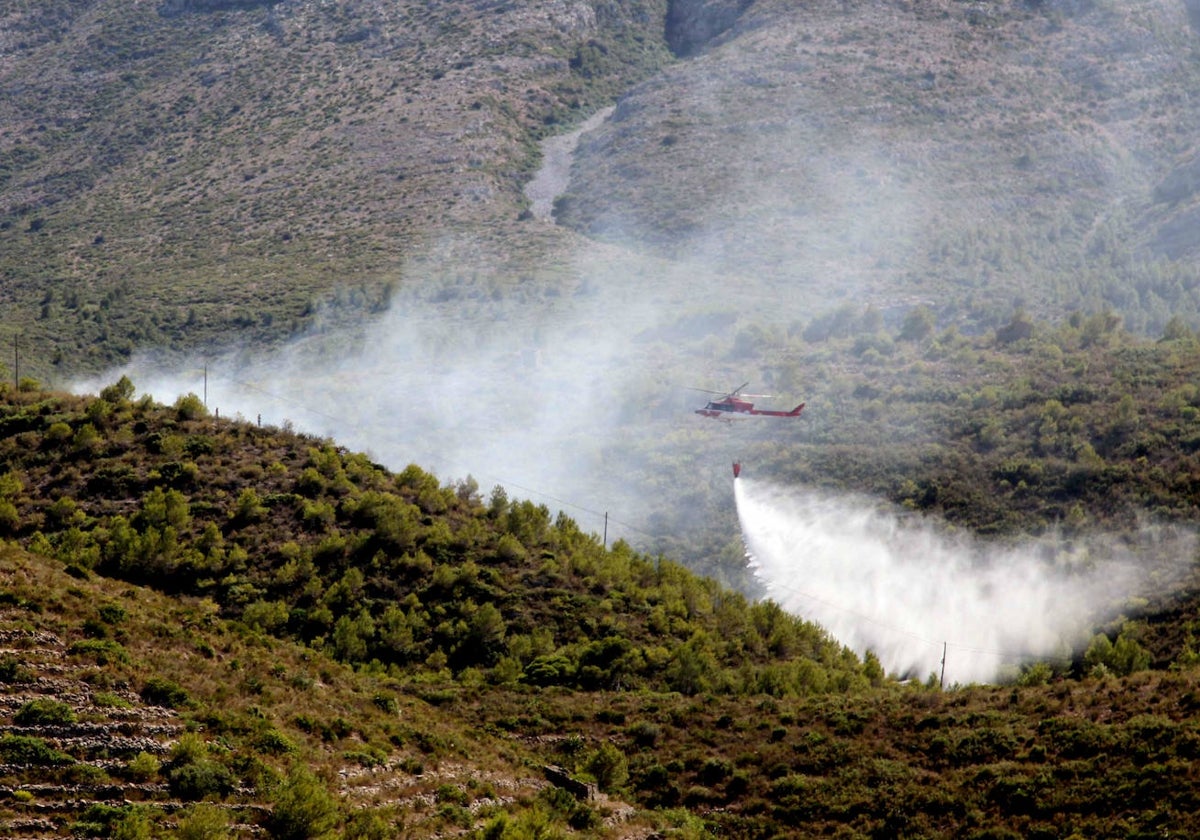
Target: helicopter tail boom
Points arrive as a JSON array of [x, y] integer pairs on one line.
[[795, 412]]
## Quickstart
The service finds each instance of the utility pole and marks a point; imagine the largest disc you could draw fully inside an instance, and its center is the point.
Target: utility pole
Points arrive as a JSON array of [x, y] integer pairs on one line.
[[605, 543], [942, 681]]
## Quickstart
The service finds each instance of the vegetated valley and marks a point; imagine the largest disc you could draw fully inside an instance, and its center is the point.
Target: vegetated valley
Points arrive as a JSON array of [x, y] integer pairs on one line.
[[963, 233]]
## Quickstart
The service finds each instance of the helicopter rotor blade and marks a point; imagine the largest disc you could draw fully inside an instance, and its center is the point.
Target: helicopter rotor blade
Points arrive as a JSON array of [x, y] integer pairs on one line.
[[725, 394]]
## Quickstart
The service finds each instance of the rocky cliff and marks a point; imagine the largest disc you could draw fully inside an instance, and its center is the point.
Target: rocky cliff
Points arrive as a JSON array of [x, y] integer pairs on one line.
[[691, 24]]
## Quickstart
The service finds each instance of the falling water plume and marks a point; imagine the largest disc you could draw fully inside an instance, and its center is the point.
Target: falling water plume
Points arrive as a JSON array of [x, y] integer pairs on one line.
[[896, 584]]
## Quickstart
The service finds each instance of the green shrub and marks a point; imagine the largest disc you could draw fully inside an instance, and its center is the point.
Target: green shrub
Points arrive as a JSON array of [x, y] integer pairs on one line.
[[509, 549], [248, 508], [1035, 673], [25, 749], [112, 614], [608, 766], [98, 820], [190, 407], [10, 519], [44, 711], [142, 767], [267, 616], [108, 700], [103, 651], [200, 779], [159, 691], [58, 433], [203, 822], [367, 824], [274, 742], [13, 672], [452, 794], [645, 734], [119, 392], [304, 808], [134, 825], [1076, 738]]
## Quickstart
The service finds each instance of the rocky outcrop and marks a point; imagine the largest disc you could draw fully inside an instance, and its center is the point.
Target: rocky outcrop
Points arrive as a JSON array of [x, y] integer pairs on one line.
[[693, 24]]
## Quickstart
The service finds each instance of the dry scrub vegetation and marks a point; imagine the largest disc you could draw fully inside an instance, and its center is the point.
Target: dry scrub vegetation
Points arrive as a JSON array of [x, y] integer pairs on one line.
[[215, 623]]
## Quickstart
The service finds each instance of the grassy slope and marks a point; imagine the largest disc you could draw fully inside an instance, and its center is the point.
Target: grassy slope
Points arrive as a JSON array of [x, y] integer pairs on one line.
[[425, 748], [256, 707]]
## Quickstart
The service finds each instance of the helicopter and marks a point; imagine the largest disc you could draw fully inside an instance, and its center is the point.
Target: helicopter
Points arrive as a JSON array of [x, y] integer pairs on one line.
[[731, 404]]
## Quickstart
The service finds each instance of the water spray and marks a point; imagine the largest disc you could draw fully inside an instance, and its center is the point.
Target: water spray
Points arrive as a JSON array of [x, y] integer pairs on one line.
[[925, 600]]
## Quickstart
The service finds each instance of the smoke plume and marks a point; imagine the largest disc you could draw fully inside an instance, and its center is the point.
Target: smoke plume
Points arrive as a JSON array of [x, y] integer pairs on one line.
[[525, 397]]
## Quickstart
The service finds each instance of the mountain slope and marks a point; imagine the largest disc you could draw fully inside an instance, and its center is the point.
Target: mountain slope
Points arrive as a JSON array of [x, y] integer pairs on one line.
[[961, 155], [786, 737], [218, 166], [172, 179], [297, 537], [215, 171], [125, 710]]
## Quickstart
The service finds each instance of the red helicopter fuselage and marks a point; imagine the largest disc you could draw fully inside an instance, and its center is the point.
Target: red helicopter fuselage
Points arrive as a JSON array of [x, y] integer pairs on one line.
[[729, 407]]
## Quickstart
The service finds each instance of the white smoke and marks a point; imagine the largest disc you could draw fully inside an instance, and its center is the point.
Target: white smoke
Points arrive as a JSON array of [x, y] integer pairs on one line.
[[880, 580], [527, 398]]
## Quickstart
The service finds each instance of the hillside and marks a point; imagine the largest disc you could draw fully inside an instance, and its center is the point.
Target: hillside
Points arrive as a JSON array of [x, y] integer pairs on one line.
[[313, 204], [960, 155], [430, 699], [344, 221], [203, 175], [175, 174], [365, 584], [127, 712]]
